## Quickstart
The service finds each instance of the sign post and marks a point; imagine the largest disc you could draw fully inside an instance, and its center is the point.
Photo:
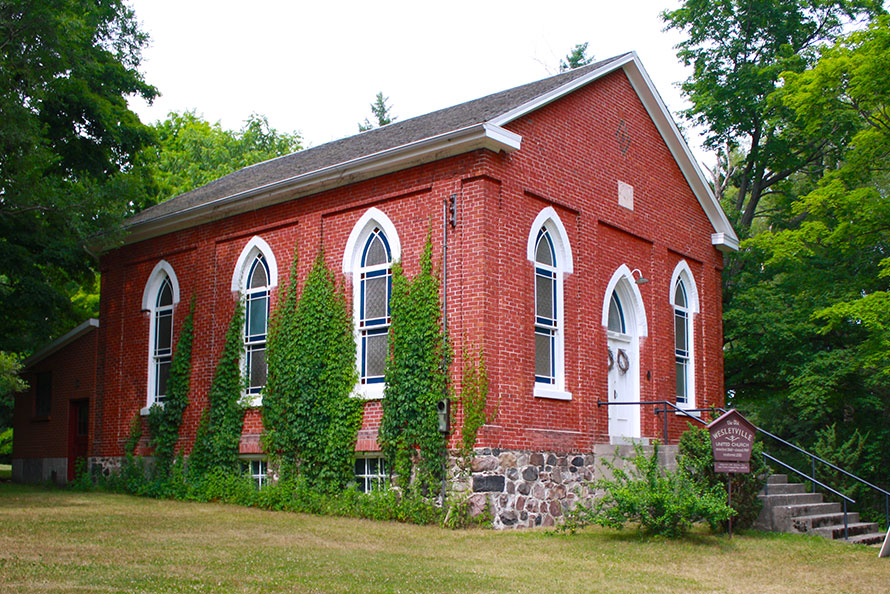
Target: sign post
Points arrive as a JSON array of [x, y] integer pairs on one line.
[[732, 437]]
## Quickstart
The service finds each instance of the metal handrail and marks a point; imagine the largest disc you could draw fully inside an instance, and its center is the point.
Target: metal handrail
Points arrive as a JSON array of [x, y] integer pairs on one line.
[[813, 457], [823, 485]]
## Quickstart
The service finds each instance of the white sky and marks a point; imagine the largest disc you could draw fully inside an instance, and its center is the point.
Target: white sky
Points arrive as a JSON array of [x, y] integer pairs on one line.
[[314, 67]]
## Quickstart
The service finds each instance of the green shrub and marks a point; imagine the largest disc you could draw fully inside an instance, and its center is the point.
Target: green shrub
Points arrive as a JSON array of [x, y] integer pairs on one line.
[[662, 502], [697, 460], [6, 446]]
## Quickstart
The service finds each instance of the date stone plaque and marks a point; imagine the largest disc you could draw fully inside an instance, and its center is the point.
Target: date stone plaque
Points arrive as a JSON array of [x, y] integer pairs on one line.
[[732, 437]]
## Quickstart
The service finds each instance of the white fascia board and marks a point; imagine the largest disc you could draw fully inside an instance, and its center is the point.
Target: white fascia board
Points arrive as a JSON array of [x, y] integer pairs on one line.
[[61, 342], [724, 238], [478, 136], [542, 100], [663, 121]]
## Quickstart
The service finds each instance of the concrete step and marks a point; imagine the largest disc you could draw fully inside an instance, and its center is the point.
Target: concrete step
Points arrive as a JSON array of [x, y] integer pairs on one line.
[[787, 518], [776, 479], [811, 522], [790, 499], [871, 538], [784, 488], [853, 529]]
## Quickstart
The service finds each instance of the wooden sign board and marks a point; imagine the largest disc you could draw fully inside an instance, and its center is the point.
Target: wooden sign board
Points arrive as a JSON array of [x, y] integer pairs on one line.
[[741, 467], [732, 437]]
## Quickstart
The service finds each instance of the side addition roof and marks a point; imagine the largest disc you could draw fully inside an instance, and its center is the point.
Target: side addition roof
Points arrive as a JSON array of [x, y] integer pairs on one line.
[[61, 342], [400, 145]]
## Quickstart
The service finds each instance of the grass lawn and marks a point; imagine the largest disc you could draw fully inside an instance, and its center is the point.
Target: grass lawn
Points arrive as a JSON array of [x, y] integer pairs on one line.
[[60, 541], [5, 472]]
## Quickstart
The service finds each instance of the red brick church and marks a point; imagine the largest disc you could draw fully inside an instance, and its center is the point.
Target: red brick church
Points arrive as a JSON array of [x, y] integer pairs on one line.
[[584, 258]]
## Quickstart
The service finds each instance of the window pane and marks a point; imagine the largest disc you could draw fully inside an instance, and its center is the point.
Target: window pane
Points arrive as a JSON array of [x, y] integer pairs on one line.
[[375, 297], [258, 276], [43, 403], [681, 380], [681, 338], [164, 332], [680, 295], [165, 295], [616, 316], [543, 354], [257, 368], [545, 287], [162, 374], [375, 252], [256, 321], [375, 354], [544, 251]]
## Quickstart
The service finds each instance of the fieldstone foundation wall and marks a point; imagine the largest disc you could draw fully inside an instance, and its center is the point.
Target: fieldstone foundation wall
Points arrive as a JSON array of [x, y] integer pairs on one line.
[[523, 489]]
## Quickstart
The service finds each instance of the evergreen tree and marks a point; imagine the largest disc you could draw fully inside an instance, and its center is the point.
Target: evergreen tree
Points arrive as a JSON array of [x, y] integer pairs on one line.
[[576, 58]]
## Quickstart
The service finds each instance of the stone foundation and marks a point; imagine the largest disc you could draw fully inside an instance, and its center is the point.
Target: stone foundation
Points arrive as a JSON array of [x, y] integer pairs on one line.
[[525, 489]]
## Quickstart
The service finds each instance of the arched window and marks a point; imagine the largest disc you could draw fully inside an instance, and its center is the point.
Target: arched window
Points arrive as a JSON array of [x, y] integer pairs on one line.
[[256, 323], [371, 249], [160, 296], [684, 300], [545, 310], [549, 251], [254, 277], [616, 315]]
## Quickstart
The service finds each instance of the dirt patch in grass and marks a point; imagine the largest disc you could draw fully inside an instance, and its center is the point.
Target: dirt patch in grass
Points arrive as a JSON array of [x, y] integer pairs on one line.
[[60, 541]]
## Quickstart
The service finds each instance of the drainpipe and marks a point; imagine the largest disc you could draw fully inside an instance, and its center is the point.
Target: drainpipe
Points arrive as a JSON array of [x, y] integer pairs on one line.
[[449, 218]]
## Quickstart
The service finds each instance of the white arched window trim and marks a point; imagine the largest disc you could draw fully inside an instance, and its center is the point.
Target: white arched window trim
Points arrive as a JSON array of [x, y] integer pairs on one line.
[[256, 246], [684, 273], [352, 256], [627, 292], [549, 220], [161, 271], [242, 266]]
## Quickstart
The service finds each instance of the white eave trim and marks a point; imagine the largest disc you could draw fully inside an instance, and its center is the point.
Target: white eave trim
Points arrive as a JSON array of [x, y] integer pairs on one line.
[[61, 342], [725, 243], [724, 237], [478, 136]]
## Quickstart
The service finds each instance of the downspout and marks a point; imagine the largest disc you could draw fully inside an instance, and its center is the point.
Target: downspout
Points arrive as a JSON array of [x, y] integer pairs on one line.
[[449, 217]]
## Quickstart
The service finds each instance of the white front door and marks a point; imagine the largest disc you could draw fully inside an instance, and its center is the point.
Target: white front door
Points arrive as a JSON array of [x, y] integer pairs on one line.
[[624, 419]]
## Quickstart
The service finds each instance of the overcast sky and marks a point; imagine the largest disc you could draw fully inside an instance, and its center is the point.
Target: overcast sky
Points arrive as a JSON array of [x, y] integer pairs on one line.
[[314, 67]]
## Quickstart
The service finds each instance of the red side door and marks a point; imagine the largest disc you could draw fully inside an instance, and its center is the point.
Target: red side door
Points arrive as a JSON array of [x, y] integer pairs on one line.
[[78, 434]]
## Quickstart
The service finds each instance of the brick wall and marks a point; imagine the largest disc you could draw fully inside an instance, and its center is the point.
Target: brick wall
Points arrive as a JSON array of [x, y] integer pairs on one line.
[[574, 152]]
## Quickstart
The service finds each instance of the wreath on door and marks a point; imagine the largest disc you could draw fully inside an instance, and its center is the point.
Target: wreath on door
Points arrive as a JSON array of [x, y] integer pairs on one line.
[[623, 361]]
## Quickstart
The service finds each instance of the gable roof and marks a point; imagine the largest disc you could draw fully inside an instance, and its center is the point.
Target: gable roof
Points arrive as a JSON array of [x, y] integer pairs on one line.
[[403, 144], [61, 342]]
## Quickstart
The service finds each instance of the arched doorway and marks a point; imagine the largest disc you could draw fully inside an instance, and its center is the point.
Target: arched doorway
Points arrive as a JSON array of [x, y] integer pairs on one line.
[[625, 320]]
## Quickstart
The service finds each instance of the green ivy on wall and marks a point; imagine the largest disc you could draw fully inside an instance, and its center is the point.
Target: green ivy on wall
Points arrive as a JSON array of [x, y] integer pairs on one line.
[[473, 399], [310, 417], [416, 378], [165, 419], [219, 432]]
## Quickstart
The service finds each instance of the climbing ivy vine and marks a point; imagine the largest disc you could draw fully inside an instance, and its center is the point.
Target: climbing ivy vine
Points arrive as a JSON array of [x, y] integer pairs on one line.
[[416, 378], [473, 399], [310, 418], [165, 419], [219, 432]]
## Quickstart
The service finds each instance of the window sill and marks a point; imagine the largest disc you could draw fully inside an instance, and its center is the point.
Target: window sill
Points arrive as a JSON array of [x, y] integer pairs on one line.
[[146, 410], [551, 393], [251, 400], [369, 391], [686, 413]]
